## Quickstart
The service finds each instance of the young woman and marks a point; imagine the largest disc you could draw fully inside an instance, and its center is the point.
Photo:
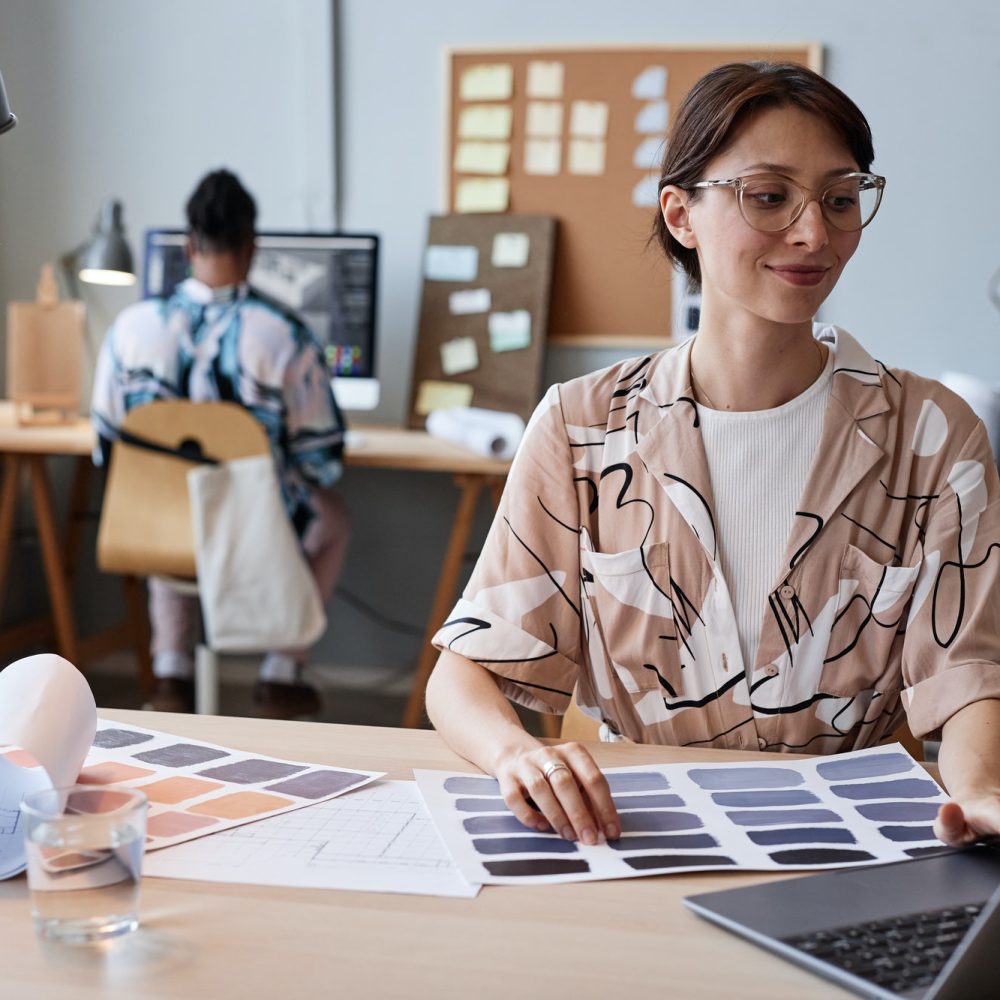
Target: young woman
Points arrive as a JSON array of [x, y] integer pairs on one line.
[[761, 539]]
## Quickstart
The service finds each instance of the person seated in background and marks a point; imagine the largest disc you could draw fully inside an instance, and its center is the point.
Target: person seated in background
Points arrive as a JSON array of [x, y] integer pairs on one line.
[[215, 338]]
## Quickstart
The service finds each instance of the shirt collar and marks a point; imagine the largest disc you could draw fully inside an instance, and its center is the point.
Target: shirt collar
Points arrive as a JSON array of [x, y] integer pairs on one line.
[[200, 293]]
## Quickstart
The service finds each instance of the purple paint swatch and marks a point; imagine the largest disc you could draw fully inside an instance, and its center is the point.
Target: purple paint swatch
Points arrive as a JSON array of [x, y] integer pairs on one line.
[[317, 784], [900, 812], [181, 755], [718, 778], [249, 772], [481, 805], [782, 817], [923, 852], [775, 797], [902, 834], [537, 866], [523, 845], [496, 824], [902, 788], [820, 856], [111, 739], [646, 862], [664, 842], [472, 785], [658, 822], [666, 801], [637, 781], [802, 835], [864, 767]]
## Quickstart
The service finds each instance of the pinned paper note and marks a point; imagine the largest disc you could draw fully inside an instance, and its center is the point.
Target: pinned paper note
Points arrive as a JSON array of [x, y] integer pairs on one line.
[[653, 119], [588, 119], [485, 121], [451, 263], [545, 79], [510, 250], [482, 157], [648, 153], [586, 156], [544, 119], [646, 194], [487, 83], [459, 355], [492, 195], [471, 300], [436, 395], [650, 84], [509, 331], [542, 156]]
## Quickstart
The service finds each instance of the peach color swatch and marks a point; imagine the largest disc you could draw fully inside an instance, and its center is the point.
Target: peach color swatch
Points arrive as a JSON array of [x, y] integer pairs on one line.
[[173, 790], [241, 805]]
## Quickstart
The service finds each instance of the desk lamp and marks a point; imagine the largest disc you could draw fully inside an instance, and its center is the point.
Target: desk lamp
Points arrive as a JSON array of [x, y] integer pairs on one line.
[[7, 119], [107, 258]]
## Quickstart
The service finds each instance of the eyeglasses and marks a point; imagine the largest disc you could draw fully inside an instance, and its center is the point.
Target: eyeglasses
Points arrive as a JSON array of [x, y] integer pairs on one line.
[[771, 203]]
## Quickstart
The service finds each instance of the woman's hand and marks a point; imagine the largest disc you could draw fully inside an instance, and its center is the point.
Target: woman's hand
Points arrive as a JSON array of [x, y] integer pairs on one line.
[[966, 820], [559, 788]]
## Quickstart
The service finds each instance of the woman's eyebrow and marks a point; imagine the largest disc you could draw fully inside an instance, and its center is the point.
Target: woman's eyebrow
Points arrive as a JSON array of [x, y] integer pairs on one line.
[[784, 168]]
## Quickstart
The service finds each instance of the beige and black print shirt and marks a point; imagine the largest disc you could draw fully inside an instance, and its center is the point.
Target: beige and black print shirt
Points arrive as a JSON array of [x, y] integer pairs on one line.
[[601, 570]]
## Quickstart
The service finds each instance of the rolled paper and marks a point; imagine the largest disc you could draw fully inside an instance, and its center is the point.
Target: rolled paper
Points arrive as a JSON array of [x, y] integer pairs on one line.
[[492, 433]]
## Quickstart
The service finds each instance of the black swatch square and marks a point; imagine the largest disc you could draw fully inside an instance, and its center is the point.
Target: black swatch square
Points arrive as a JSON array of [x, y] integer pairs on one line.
[[181, 755]]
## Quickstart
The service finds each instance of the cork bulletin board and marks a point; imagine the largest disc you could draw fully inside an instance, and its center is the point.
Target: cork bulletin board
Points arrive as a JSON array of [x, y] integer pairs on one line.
[[483, 313], [578, 134]]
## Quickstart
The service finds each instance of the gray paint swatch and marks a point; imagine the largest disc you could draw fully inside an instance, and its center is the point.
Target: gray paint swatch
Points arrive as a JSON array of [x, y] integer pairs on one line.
[[923, 852], [495, 824], [646, 862], [820, 856], [904, 834], [537, 866], [664, 842], [249, 772], [666, 801], [481, 805], [782, 817], [901, 788], [111, 739], [802, 835], [900, 812], [637, 781], [523, 845], [771, 797], [745, 777], [181, 755], [317, 784], [864, 767], [472, 785], [657, 822]]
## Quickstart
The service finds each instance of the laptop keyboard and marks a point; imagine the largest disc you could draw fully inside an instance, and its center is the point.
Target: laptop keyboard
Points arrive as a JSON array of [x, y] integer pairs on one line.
[[898, 954]]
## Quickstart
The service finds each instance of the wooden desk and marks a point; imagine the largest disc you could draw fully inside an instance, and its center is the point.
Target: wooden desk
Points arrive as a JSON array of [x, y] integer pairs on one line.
[[628, 938]]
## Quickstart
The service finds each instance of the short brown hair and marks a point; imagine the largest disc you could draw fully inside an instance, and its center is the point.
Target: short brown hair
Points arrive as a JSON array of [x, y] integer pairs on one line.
[[720, 102]]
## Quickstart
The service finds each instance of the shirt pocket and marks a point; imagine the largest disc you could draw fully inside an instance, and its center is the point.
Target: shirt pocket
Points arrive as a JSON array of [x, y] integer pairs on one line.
[[631, 617], [865, 645]]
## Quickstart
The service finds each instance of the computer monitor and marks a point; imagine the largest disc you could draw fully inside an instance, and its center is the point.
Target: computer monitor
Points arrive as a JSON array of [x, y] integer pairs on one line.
[[328, 279]]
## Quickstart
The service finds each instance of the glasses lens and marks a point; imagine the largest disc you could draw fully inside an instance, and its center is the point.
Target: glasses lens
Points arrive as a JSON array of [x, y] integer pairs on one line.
[[850, 203], [769, 203]]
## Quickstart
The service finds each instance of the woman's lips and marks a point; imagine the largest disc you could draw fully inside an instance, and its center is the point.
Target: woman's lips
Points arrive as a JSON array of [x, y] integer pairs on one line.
[[799, 275]]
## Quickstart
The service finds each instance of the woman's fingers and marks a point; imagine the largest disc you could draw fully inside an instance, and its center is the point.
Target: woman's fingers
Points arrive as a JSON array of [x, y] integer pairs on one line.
[[950, 826], [595, 787]]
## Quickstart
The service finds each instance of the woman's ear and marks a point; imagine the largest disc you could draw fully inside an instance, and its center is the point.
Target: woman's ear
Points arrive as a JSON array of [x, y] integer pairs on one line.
[[674, 206]]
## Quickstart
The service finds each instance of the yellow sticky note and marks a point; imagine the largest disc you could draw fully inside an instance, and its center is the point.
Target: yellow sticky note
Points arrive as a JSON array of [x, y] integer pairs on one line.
[[482, 157], [487, 83], [588, 119], [542, 156], [436, 395], [586, 156], [482, 195], [544, 119], [485, 121], [545, 79]]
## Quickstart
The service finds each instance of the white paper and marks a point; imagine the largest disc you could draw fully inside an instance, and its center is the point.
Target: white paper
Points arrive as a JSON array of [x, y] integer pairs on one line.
[[482, 157], [542, 156], [545, 79], [756, 815], [648, 154], [487, 83], [451, 263], [459, 355], [586, 156], [588, 119], [650, 83], [544, 119], [492, 433], [485, 121], [509, 331], [377, 839], [510, 250], [653, 118], [491, 195], [646, 193], [470, 300]]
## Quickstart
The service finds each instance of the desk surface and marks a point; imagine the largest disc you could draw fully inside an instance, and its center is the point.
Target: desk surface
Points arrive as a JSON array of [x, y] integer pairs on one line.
[[626, 938]]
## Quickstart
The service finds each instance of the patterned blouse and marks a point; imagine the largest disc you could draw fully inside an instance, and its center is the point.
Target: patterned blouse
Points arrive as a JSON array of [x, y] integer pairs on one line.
[[601, 570], [227, 344]]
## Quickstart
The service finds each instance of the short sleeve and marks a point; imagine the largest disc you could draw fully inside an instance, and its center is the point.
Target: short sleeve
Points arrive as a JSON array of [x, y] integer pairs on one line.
[[951, 651], [107, 404], [519, 616]]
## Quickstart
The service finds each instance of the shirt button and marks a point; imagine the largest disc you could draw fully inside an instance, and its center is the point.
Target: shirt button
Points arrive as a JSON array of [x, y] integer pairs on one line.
[[761, 742], [772, 671], [787, 593]]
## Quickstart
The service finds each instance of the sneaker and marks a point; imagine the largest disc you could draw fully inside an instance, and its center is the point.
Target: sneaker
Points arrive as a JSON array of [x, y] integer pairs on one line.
[[172, 694], [272, 700]]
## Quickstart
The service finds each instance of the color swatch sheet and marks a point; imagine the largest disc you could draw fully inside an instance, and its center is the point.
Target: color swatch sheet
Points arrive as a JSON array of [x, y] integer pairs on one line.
[[866, 807], [377, 839], [196, 788]]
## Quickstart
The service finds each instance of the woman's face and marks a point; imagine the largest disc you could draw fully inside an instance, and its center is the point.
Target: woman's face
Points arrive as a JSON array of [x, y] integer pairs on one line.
[[776, 277]]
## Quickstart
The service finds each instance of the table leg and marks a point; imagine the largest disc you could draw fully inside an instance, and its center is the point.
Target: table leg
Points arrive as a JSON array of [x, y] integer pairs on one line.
[[8, 505], [52, 558], [79, 492]]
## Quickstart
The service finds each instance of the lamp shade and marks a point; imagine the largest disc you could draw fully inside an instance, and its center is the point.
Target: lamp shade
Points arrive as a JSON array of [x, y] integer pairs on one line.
[[107, 259], [7, 119]]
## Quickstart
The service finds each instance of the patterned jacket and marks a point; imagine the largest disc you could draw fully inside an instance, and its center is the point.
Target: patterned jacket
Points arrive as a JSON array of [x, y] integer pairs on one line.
[[601, 570]]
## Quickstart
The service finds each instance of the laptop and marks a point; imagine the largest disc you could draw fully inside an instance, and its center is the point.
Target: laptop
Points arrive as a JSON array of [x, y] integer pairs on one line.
[[925, 929]]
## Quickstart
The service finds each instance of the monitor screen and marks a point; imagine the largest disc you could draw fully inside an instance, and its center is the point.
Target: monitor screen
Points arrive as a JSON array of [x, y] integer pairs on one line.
[[328, 279]]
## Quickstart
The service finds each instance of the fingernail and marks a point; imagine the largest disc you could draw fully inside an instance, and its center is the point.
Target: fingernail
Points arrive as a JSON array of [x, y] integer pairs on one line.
[[542, 827], [601, 838], [567, 833], [612, 832], [588, 836]]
